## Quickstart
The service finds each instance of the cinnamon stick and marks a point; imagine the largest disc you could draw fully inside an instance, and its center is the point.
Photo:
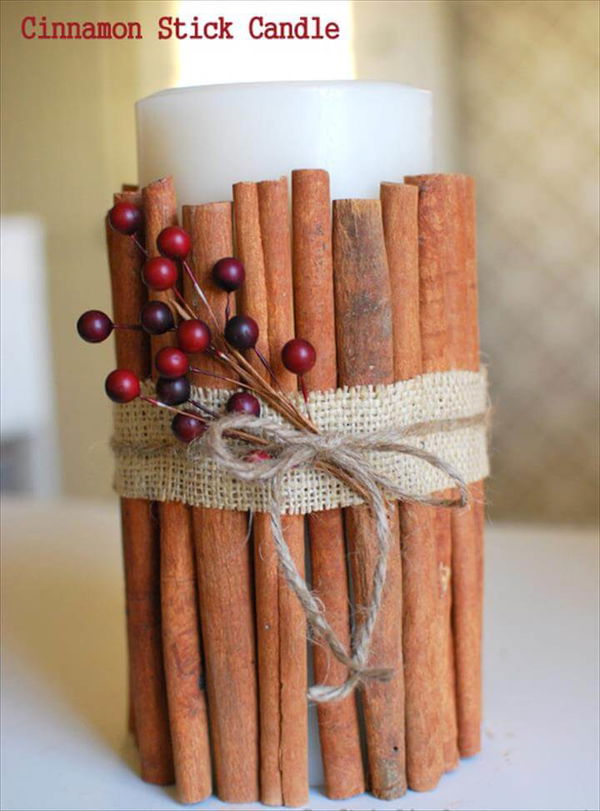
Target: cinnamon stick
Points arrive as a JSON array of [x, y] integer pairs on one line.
[[314, 310], [273, 209], [438, 247], [140, 534], [365, 356], [419, 551], [183, 665], [132, 347], [224, 566], [181, 643], [253, 299], [467, 525]]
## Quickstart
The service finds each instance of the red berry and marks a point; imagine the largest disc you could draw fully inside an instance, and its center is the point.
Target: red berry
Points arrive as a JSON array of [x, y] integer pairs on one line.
[[173, 391], [298, 356], [125, 217], [171, 362], [257, 456], [193, 335], [122, 386], [160, 273], [242, 402], [229, 273], [94, 326], [186, 427], [241, 331], [157, 318], [174, 242]]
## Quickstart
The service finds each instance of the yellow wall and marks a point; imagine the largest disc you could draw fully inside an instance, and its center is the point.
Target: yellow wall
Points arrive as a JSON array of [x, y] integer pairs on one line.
[[68, 141]]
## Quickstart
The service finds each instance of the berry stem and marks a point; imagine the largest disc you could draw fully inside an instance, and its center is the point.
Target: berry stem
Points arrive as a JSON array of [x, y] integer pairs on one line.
[[184, 303], [200, 292], [127, 326], [136, 241], [198, 371], [228, 307]]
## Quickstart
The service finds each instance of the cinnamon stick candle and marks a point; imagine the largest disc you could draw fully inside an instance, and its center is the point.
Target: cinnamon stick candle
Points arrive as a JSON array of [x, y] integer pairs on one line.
[[314, 310], [365, 356], [421, 622], [273, 209], [467, 525], [181, 642], [224, 565], [253, 299], [140, 533]]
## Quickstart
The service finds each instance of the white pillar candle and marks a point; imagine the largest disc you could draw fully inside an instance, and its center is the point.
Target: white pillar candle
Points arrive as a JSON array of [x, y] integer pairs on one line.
[[212, 136]]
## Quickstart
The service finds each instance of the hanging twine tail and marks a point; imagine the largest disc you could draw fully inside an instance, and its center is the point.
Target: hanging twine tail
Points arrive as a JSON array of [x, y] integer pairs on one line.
[[344, 457]]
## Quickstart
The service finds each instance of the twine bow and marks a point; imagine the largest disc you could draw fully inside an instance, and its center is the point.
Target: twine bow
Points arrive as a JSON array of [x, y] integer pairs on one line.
[[343, 456]]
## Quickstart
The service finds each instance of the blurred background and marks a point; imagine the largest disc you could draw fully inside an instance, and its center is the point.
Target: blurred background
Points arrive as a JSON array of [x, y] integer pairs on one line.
[[516, 99]]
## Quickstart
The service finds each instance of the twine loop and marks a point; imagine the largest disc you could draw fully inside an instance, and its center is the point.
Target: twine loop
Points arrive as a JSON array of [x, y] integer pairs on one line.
[[345, 457]]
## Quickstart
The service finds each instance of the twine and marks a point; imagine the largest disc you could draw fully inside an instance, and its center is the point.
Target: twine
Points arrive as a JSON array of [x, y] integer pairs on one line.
[[345, 457]]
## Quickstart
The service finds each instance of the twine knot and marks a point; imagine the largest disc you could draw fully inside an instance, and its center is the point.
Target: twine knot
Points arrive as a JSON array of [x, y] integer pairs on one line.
[[345, 457]]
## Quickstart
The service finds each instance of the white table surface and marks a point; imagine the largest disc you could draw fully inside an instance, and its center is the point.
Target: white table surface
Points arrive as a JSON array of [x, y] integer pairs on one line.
[[64, 741]]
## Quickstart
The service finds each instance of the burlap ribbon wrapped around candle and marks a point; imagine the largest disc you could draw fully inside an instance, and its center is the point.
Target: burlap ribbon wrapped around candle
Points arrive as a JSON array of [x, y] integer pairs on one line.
[[403, 441], [152, 464]]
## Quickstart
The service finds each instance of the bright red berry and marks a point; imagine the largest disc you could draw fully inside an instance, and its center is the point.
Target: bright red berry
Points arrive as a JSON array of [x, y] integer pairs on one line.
[[125, 217], [94, 326], [157, 318], [186, 427], [173, 390], [193, 335], [174, 242], [160, 273], [242, 402], [257, 455], [298, 356], [171, 362], [229, 273], [122, 386], [241, 331]]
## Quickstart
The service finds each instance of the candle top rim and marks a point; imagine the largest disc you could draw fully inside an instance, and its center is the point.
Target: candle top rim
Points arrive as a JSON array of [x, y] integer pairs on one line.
[[334, 84]]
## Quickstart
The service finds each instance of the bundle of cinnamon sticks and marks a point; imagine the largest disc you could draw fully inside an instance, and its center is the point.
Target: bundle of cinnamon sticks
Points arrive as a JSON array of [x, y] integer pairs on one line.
[[385, 290]]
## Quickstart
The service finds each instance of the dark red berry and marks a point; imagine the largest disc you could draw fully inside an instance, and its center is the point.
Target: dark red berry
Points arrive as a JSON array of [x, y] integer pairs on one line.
[[229, 273], [257, 455], [122, 386], [174, 242], [157, 318], [193, 335], [298, 356], [173, 390], [242, 402], [241, 331], [187, 427], [125, 217], [94, 326], [171, 362], [160, 273]]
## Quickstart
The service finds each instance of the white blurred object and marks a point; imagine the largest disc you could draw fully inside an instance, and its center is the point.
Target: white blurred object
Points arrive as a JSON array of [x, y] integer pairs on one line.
[[27, 423]]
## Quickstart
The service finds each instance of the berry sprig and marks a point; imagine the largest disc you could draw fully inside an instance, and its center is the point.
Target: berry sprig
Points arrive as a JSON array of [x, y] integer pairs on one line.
[[194, 337]]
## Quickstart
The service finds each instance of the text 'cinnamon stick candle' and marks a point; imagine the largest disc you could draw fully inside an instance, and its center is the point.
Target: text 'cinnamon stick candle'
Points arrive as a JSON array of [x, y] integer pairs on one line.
[[132, 349], [253, 300], [365, 356], [314, 309], [273, 207], [224, 564]]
